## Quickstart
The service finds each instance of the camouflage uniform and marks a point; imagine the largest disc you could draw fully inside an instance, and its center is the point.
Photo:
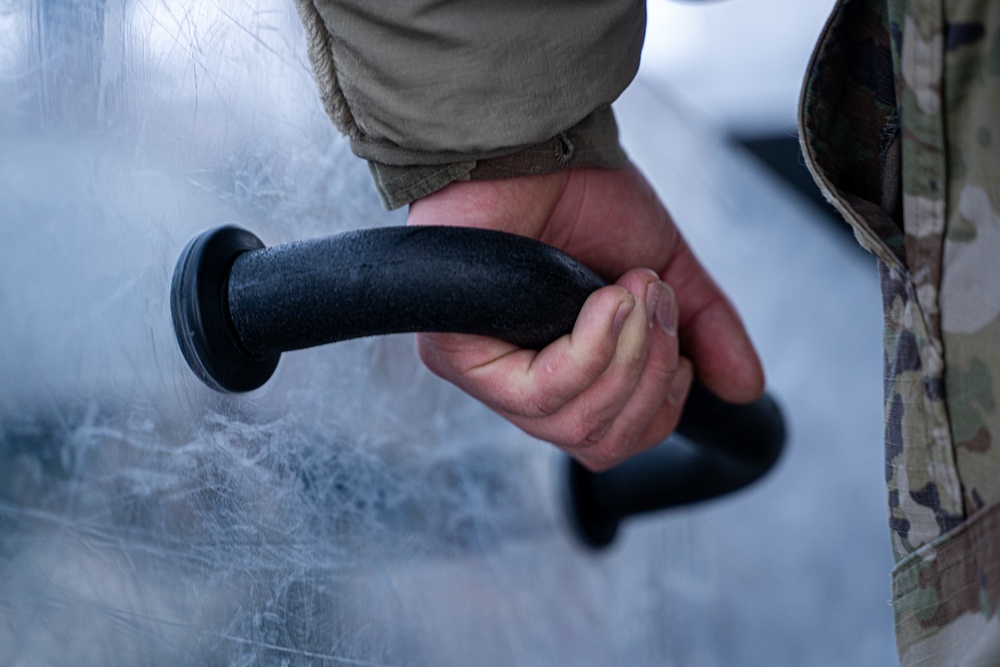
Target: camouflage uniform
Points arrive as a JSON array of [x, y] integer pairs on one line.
[[899, 114]]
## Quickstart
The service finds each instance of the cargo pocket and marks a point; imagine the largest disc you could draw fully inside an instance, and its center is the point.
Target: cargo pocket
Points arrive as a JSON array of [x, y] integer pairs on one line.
[[945, 597]]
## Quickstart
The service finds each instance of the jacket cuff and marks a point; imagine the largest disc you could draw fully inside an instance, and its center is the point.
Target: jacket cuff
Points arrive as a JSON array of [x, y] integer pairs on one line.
[[590, 144]]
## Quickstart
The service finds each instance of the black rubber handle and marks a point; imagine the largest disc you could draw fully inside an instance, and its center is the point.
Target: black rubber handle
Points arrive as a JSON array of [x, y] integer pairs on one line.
[[718, 448], [237, 306]]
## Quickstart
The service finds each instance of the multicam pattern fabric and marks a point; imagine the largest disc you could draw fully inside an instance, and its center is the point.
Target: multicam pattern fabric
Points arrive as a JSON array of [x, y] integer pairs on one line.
[[900, 122]]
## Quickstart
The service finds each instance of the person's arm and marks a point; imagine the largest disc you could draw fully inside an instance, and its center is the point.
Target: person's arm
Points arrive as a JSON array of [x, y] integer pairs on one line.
[[617, 383]]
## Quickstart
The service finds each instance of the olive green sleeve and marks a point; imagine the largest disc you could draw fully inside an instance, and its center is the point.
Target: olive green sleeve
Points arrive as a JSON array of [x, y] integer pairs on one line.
[[433, 91]]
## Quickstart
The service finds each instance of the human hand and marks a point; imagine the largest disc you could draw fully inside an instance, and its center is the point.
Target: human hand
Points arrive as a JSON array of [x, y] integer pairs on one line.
[[616, 385]]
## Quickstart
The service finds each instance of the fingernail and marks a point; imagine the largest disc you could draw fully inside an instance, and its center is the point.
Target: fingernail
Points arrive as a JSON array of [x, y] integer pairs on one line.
[[661, 305], [666, 310], [653, 293], [621, 314]]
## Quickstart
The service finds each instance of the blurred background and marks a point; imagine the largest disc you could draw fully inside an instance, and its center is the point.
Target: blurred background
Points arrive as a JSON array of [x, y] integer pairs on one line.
[[739, 65], [356, 510]]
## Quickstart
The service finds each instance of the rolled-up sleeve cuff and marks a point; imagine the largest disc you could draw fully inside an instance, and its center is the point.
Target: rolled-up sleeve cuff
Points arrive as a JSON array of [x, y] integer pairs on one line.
[[402, 177]]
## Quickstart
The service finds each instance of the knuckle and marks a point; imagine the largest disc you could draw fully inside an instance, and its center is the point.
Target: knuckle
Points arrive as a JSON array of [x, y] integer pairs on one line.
[[512, 403], [589, 433], [543, 406], [594, 365], [524, 402]]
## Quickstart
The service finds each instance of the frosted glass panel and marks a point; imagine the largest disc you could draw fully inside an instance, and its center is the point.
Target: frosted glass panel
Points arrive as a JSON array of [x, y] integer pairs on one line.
[[355, 510]]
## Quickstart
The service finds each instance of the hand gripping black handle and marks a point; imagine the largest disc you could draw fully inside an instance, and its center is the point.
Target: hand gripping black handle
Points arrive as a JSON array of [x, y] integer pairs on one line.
[[237, 306]]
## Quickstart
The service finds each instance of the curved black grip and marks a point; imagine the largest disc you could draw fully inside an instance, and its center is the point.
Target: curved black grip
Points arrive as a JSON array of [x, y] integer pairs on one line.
[[718, 448], [236, 306]]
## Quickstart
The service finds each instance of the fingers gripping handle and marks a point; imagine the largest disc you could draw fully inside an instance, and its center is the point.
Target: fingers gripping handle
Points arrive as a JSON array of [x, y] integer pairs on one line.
[[236, 306]]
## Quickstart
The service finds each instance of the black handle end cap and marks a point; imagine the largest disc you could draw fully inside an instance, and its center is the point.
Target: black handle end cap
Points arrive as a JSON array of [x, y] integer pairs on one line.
[[199, 307]]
